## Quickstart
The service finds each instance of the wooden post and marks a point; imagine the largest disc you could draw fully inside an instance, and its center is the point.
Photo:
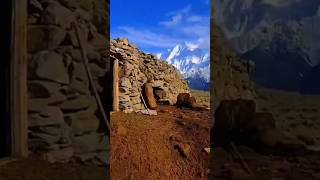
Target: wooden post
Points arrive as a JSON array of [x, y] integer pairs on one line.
[[19, 108], [116, 85]]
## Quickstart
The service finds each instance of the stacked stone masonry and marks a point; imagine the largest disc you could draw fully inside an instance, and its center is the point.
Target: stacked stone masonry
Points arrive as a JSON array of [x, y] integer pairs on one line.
[[63, 122], [230, 75], [136, 68]]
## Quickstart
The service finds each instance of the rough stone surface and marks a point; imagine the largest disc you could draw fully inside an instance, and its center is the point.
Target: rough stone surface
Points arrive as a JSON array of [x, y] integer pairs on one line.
[[137, 68], [150, 99], [63, 121], [230, 75], [49, 65]]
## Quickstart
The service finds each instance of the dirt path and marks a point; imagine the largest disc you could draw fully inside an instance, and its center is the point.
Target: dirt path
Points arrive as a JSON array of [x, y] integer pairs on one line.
[[167, 146], [37, 169]]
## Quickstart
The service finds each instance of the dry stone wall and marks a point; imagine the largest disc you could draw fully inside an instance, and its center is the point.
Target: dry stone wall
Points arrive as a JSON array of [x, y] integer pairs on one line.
[[230, 75], [63, 118], [136, 68]]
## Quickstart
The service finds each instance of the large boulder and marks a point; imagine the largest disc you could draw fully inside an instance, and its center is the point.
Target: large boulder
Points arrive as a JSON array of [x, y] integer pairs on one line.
[[236, 121], [149, 96], [186, 100]]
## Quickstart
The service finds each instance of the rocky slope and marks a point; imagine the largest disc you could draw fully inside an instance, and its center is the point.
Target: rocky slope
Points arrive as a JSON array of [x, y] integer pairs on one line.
[[136, 68], [63, 119]]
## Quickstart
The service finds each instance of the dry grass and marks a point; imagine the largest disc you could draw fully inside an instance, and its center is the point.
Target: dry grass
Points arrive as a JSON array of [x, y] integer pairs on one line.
[[203, 97]]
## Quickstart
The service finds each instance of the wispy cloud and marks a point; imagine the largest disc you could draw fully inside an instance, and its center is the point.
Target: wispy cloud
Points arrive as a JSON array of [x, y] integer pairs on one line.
[[174, 21], [147, 37], [193, 26], [180, 26]]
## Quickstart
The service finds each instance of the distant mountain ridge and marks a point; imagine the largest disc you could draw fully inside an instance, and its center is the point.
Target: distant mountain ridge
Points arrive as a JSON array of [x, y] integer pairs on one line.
[[192, 62], [280, 36]]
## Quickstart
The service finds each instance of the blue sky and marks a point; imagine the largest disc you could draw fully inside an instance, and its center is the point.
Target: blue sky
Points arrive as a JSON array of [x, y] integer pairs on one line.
[[156, 26]]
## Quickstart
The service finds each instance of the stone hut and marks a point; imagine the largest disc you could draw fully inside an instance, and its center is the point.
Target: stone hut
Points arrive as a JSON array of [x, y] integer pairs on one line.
[[135, 68], [52, 109]]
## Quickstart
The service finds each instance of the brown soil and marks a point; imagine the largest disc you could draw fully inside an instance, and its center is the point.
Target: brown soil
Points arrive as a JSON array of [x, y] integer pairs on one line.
[[295, 114], [146, 147], [37, 169], [226, 166]]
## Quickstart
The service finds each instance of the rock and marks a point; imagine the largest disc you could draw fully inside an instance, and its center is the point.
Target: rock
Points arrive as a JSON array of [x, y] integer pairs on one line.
[[229, 116], [99, 42], [237, 121], [184, 149], [79, 73], [44, 38], [148, 93], [36, 106], [86, 4], [124, 98], [125, 42], [56, 14], [96, 71], [76, 55], [276, 142], [85, 126], [59, 156], [158, 84], [70, 4], [89, 143], [125, 82], [207, 150], [53, 130], [80, 87], [48, 116], [79, 103], [163, 77], [149, 112], [185, 100], [50, 66], [42, 89], [46, 139]]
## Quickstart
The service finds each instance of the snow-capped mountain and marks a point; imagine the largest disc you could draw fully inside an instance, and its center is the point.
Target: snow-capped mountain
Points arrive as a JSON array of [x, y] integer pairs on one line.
[[280, 36], [192, 62]]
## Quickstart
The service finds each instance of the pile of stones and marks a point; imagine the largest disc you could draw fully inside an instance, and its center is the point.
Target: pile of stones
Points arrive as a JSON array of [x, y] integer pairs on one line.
[[230, 75], [137, 68], [63, 121]]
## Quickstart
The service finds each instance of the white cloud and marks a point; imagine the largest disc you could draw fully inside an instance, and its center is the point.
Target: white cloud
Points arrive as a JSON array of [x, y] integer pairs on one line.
[[181, 26], [159, 55], [194, 19], [192, 46], [147, 37], [175, 20]]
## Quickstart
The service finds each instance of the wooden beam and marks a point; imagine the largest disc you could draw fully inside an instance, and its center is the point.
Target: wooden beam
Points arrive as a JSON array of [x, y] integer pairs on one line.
[[115, 85], [19, 108]]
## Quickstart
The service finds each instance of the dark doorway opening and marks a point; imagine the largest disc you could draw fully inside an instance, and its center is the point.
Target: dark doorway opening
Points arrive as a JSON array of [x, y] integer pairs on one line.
[[5, 41]]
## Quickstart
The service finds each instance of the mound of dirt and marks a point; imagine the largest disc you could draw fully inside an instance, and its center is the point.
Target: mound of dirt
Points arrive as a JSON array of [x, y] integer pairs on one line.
[[167, 146]]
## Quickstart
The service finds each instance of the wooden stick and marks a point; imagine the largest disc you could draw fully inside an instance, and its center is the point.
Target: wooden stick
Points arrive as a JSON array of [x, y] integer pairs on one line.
[[243, 162], [115, 86], [144, 102], [86, 65]]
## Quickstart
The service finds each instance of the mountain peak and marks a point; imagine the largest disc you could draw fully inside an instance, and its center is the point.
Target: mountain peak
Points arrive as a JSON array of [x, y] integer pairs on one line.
[[192, 61]]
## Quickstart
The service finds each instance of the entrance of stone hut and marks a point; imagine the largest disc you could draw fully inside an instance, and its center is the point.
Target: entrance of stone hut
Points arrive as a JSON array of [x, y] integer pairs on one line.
[[13, 112]]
